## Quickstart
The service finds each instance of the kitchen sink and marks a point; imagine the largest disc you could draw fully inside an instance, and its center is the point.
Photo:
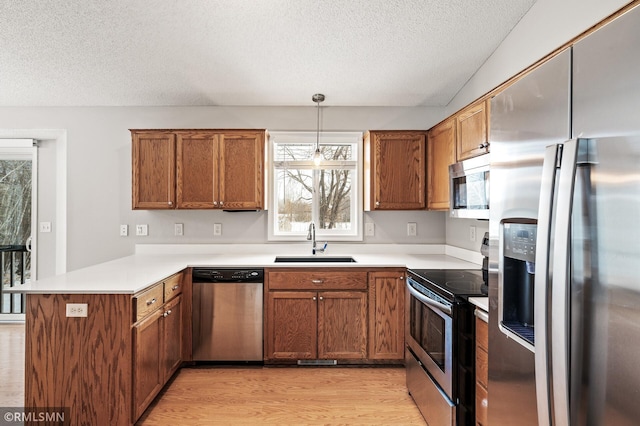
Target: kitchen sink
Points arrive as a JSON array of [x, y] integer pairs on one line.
[[314, 259]]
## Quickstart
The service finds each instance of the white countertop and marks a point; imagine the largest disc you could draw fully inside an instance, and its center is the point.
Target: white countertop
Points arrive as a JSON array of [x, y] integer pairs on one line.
[[134, 273], [480, 302]]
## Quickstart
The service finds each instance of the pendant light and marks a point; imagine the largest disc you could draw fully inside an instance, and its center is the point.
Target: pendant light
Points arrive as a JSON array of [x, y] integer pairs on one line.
[[317, 156]]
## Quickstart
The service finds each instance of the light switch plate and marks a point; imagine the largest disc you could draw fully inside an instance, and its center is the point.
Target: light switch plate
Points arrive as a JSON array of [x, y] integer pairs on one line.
[[124, 230], [77, 309], [45, 226], [142, 230], [412, 229], [472, 233], [217, 229], [178, 229]]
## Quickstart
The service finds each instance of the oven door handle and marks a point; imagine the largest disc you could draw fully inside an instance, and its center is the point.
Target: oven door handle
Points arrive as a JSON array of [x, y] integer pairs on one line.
[[427, 301]]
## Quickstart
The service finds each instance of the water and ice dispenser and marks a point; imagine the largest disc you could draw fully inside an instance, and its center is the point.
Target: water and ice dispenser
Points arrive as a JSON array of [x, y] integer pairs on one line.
[[516, 299]]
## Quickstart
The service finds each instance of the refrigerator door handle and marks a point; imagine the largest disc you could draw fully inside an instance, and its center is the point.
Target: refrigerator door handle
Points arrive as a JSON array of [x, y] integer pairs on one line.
[[543, 281], [561, 285]]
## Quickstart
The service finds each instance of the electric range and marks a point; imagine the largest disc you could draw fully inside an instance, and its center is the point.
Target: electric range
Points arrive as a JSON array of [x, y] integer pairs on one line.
[[440, 340], [452, 283]]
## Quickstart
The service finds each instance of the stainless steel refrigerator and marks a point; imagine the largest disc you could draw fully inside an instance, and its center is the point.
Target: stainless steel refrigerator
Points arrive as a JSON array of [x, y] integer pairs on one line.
[[564, 269]]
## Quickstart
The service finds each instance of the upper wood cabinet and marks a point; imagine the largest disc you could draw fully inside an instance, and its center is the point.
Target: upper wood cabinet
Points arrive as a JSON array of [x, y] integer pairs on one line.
[[472, 131], [198, 169], [395, 170], [441, 152], [153, 170]]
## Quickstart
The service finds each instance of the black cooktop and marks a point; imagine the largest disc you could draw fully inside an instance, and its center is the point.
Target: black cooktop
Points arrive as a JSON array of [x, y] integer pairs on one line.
[[452, 282]]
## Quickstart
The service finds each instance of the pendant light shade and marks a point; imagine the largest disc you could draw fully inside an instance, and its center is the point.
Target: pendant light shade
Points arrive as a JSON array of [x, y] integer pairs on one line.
[[317, 155]]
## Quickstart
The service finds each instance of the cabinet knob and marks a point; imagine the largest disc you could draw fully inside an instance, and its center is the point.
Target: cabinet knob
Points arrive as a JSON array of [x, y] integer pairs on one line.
[[315, 281], [170, 203], [481, 146], [314, 298], [165, 314], [377, 203], [221, 203], [401, 277], [215, 203], [151, 302], [169, 312], [175, 287], [321, 298]]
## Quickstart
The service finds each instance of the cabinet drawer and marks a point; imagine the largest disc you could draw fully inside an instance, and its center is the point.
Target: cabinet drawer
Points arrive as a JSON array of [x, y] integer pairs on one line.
[[148, 301], [482, 334], [317, 280], [172, 286], [481, 405]]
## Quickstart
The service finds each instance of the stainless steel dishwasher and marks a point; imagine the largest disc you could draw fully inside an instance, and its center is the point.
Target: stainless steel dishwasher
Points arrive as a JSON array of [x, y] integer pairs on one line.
[[227, 314]]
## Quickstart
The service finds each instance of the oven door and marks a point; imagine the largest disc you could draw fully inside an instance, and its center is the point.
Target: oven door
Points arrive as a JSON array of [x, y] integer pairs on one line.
[[430, 334]]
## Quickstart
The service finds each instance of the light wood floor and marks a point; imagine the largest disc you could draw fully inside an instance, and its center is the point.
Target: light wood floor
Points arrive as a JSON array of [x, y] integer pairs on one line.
[[285, 396], [11, 365], [252, 395]]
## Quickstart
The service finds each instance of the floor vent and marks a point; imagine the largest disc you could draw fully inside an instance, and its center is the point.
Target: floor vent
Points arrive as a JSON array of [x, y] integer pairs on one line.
[[317, 362]]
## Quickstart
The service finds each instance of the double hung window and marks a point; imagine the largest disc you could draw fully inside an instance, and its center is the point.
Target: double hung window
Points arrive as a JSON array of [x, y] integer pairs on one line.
[[329, 195]]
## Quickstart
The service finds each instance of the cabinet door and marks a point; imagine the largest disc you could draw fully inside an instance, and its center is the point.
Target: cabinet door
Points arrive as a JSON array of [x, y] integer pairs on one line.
[[197, 174], [386, 315], [241, 170], [148, 378], [472, 132], [153, 170], [292, 325], [342, 325], [172, 337], [398, 170], [441, 152]]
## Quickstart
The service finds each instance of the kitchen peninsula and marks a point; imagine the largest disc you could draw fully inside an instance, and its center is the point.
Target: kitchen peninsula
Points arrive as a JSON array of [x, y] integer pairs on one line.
[[88, 331]]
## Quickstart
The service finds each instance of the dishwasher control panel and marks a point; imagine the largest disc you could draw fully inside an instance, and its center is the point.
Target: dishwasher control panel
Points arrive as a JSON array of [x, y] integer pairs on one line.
[[211, 275]]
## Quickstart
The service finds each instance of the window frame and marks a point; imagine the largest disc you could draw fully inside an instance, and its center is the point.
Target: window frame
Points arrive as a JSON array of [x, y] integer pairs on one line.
[[357, 209]]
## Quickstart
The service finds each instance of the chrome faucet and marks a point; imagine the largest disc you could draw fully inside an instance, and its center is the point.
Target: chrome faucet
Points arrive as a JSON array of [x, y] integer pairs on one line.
[[311, 236]]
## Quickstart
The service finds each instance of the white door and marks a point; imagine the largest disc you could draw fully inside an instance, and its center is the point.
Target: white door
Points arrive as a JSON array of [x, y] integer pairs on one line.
[[17, 210]]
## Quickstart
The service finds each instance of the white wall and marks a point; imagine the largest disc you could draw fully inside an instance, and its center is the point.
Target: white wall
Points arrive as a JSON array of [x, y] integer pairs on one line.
[[548, 25], [98, 170]]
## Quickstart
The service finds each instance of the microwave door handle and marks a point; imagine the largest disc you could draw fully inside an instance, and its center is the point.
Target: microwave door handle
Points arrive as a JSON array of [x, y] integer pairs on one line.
[[542, 280], [427, 301], [561, 285]]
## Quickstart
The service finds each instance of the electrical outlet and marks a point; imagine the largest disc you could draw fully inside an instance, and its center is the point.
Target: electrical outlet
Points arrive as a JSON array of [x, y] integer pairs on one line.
[[412, 229], [369, 229], [472, 233], [178, 229], [217, 229], [124, 230], [77, 309], [142, 230], [45, 226]]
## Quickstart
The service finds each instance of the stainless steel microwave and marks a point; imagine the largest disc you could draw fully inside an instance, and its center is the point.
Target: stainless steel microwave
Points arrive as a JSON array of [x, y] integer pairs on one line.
[[469, 188]]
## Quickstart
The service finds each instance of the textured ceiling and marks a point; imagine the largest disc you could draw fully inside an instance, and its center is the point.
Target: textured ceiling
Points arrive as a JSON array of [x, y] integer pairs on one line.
[[246, 52]]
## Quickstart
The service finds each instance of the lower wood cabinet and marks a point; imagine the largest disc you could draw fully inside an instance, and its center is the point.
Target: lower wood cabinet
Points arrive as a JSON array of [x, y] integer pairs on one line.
[[157, 352], [345, 314], [148, 378], [386, 314], [108, 366], [482, 371]]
